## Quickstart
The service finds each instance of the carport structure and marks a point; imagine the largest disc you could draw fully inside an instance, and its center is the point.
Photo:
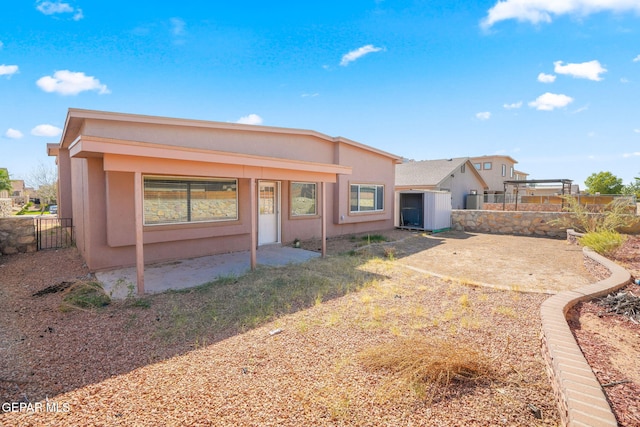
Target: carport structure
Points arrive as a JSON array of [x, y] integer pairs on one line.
[[565, 184]]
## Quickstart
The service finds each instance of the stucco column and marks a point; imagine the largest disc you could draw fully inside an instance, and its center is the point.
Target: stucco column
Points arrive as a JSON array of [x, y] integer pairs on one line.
[[139, 233], [323, 207], [254, 221]]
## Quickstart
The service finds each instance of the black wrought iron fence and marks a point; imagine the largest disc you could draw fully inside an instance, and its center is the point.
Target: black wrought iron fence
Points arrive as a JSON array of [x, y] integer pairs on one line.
[[54, 233]]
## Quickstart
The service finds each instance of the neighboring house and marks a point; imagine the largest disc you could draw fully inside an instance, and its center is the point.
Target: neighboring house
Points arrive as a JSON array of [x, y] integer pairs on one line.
[[495, 170], [457, 176], [19, 194], [143, 189], [520, 176]]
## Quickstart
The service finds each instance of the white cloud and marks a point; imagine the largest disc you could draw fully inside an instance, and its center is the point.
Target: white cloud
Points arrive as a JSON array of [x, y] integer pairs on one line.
[[177, 26], [13, 134], [513, 106], [627, 155], [546, 78], [358, 53], [541, 11], [485, 115], [46, 130], [251, 119], [53, 8], [586, 70], [66, 82], [8, 70], [310, 95], [636, 59], [1, 45], [550, 101], [636, 130], [624, 80]]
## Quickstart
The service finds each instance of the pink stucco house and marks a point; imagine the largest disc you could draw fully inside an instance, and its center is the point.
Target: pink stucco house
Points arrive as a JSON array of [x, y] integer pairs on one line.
[[144, 189]]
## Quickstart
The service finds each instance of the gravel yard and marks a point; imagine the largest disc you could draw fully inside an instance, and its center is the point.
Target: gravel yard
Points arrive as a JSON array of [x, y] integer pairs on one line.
[[156, 363]]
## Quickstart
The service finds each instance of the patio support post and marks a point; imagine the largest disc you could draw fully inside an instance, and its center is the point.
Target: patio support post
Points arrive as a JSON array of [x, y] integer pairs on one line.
[[323, 207], [254, 221], [139, 233]]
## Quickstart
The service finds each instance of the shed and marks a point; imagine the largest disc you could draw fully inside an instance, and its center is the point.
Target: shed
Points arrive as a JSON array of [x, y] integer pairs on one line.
[[423, 210]]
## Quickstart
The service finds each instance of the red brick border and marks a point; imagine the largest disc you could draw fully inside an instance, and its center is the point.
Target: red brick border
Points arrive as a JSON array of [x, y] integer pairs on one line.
[[581, 400]]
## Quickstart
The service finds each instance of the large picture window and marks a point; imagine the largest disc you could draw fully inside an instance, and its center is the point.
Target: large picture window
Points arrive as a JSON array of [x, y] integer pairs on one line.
[[303, 199], [366, 198], [173, 200]]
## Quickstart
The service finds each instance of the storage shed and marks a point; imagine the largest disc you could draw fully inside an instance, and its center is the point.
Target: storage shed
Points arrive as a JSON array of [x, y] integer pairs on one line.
[[423, 210]]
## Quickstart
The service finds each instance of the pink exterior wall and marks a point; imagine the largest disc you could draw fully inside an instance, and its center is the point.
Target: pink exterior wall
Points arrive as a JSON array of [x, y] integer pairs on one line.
[[368, 168], [97, 187]]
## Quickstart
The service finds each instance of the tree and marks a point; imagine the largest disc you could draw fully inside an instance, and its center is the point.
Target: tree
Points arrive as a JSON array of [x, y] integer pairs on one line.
[[44, 179], [5, 181], [633, 188], [603, 183]]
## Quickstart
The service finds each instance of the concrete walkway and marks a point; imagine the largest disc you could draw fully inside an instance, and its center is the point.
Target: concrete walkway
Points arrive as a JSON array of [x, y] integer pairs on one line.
[[192, 272]]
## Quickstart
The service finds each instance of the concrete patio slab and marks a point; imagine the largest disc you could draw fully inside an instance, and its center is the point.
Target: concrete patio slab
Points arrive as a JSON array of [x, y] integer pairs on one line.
[[192, 272]]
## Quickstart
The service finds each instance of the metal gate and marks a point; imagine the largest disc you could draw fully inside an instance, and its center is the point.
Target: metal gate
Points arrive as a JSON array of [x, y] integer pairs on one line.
[[54, 233]]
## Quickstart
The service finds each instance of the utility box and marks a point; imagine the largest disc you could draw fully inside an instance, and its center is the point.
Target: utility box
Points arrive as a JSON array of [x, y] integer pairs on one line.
[[423, 210], [473, 200]]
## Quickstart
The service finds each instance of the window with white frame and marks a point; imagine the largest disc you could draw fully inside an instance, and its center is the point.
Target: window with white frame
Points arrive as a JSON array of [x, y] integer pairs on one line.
[[183, 200], [366, 198], [504, 170], [487, 166], [303, 198]]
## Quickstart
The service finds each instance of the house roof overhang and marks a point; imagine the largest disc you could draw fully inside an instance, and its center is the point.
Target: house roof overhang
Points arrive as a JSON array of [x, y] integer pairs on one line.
[[133, 156], [76, 117]]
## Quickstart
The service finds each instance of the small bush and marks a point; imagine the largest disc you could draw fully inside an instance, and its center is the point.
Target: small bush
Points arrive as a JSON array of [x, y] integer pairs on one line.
[[611, 217], [84, 295], [603, 242], [428, 366]]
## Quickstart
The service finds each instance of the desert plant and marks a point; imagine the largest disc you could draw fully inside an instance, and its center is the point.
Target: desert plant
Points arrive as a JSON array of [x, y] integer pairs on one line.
[[84, 295], [603, 242], [426, 365], [612, 217]]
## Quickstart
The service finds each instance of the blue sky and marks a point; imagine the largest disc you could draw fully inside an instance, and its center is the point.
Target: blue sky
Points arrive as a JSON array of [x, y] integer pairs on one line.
[[554, 84]]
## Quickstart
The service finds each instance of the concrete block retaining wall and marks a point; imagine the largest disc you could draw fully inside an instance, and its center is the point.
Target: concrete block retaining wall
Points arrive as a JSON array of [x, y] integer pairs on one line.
[[581, 400], [17, 234]]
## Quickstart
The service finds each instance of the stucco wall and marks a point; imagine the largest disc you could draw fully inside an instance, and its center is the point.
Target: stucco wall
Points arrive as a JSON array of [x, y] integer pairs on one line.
[[17, 234], [534, 207]]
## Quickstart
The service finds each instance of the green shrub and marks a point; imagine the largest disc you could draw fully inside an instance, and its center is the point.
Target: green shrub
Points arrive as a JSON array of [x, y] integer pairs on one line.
[[611, 217], [603, 242]]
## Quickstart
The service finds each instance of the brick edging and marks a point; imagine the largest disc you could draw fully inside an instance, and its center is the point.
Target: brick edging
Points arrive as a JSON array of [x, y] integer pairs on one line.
[[581, 400]]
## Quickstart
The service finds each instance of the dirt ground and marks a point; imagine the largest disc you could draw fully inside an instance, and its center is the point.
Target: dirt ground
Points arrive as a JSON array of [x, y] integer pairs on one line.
[[106, 363], [527, 264]]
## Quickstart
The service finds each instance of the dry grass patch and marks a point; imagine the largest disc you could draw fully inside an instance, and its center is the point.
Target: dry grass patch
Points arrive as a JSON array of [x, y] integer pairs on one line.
[[429, 367], [84, 296]]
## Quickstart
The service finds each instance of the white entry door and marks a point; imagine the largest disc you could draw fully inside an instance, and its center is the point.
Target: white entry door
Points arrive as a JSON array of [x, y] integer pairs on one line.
[[268, 212]]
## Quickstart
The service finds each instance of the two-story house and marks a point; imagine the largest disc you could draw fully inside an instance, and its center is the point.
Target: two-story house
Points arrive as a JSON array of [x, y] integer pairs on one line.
[[495, 170]]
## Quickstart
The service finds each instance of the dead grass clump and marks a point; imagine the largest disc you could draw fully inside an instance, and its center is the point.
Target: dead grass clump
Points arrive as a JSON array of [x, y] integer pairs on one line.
[[430, 367], [84, 295]]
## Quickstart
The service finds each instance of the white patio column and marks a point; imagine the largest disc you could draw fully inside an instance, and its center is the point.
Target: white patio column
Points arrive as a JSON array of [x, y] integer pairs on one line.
[[323, 207], [139, 233], [254, 221]]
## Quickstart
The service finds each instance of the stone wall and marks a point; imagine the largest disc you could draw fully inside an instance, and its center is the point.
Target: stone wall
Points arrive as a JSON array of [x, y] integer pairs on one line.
[[5, 207], [17, 234], [505, 222], [527, 223]]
